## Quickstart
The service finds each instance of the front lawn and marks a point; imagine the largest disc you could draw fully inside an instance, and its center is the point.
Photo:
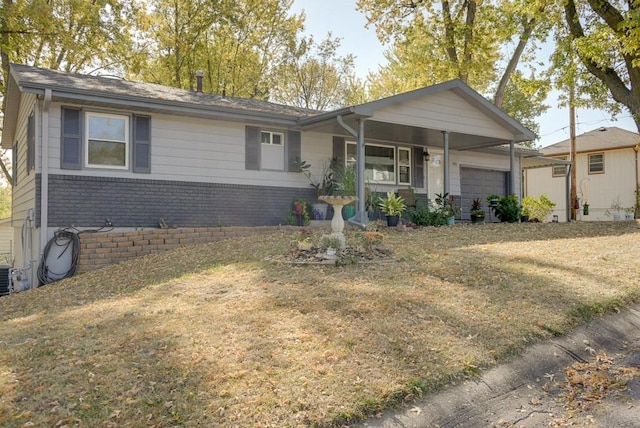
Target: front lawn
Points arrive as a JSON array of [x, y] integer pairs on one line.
[[214, 335]]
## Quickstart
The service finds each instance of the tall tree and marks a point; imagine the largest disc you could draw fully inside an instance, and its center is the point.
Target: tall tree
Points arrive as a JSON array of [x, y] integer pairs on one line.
[[315, 77], [480, 42], [238, 43], [605, 36], [71, 35]]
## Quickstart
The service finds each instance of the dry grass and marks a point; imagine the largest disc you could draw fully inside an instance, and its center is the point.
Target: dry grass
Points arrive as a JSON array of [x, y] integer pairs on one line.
[[213, 335]]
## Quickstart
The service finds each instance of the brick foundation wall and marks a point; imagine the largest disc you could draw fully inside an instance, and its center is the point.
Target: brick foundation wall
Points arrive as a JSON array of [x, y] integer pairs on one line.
[[101, 249]]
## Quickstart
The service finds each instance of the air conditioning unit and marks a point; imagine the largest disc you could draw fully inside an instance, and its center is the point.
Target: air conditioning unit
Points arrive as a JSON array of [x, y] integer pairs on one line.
[[5, 280]]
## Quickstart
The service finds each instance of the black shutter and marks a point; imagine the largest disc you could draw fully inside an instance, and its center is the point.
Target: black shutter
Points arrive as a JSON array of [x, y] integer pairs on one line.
[[294, 151], [142, 144], [71, 139], [31, 143], [418, 168], [252, 148], [338, 150]]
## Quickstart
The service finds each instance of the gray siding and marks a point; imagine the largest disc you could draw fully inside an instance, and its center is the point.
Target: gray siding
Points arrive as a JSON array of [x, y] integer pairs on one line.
[[87, 201]]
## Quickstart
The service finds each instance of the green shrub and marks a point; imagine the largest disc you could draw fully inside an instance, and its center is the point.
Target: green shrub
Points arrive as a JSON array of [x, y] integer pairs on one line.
[[424, 217], [537, 209], [508, 209]]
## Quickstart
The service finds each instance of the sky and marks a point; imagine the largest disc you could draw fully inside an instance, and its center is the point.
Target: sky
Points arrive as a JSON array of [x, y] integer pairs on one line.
[[341, 18]]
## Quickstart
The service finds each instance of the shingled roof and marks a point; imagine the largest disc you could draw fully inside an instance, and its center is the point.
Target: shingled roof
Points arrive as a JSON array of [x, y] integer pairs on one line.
[[34, 79], [597, 139]]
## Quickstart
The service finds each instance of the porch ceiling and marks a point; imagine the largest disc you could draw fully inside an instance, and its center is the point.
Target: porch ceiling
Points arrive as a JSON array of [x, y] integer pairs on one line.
[[406, 134]]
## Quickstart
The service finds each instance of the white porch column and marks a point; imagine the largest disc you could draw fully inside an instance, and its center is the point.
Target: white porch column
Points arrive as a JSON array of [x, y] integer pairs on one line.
[[512, 173], [445, 136], [361, 214]]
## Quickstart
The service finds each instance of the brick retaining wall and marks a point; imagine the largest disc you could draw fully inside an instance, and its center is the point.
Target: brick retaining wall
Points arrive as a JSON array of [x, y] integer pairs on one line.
[[102, 249]]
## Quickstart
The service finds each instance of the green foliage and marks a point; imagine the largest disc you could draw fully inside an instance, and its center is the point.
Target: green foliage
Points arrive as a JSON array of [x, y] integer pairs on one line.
[[476, 207], [537, 209], [345, 178], [5, 202], [392, 205], [423, 216], [508, 209], [299, 215], [481, 43], [314, 76], [445, 204], [326, 184], [240, 45]]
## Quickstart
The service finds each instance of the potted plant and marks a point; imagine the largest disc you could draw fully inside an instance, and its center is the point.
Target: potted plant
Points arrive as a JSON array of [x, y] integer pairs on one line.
[[628, 213], [303, 239], [616, 209], [345, 178], [331, 244], [392, 206], [446, 205], [300, 213], [477, 213], [493, 200], [325, 185]]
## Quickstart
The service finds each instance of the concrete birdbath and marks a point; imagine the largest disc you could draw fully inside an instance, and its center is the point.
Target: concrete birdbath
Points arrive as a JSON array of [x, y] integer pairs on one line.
[[337, 223]]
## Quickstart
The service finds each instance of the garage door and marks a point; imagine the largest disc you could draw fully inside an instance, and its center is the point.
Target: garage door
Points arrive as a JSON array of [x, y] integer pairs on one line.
[[480, 183]]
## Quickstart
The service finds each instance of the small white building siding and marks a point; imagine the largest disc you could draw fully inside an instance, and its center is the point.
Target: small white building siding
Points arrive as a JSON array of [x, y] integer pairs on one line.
[[6, 241], [599, 190]]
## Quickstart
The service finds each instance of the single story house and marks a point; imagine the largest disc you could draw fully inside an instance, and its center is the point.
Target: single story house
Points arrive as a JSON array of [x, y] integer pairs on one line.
[[93, 150], [606, 174]]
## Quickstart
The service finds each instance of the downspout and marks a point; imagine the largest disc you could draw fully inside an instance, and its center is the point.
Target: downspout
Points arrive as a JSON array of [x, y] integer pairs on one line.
[[637, 210], [44, 173], [568, 192], [361, 217], [445, 136]]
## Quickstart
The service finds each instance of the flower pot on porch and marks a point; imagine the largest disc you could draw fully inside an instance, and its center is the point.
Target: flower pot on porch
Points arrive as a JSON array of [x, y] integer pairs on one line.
[[451, 221], [392, 220], [349, 211], [477, 218], [320, 211]]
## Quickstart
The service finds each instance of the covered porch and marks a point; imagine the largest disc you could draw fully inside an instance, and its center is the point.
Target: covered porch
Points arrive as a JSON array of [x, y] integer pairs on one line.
[[449, 116]]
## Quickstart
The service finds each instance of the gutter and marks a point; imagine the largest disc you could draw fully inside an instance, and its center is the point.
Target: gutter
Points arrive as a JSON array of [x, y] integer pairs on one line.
[[44, 172]]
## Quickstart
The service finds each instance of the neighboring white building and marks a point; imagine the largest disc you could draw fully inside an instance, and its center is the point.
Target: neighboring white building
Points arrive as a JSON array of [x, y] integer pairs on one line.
[[606, 174]]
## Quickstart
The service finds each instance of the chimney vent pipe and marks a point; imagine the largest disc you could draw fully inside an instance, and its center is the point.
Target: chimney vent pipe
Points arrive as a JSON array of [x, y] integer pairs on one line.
[[199, 76]]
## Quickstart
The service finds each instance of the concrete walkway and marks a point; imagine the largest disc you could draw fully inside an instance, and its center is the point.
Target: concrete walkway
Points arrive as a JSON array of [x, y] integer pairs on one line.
[[528, 392]]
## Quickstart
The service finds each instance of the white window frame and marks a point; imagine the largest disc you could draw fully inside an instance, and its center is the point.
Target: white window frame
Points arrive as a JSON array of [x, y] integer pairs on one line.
[[406, 165], [601, 154], [272, 157], [554, 171], [396, 163], [271, 134], [126, 142]]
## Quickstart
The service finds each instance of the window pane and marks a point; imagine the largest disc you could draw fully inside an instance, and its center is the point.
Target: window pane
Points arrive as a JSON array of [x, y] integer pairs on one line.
[[265, 137], [106, 153], [107, 128], [403, 156], [351, 155], [596, 163], [405, 175], [379, 163], [276, 139]]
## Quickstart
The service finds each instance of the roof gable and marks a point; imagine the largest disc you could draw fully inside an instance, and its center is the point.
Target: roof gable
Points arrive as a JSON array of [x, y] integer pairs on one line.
[[597, 139]]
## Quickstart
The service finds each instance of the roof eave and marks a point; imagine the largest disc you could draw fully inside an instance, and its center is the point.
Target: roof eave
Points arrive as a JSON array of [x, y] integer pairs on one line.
[[162, 106]]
